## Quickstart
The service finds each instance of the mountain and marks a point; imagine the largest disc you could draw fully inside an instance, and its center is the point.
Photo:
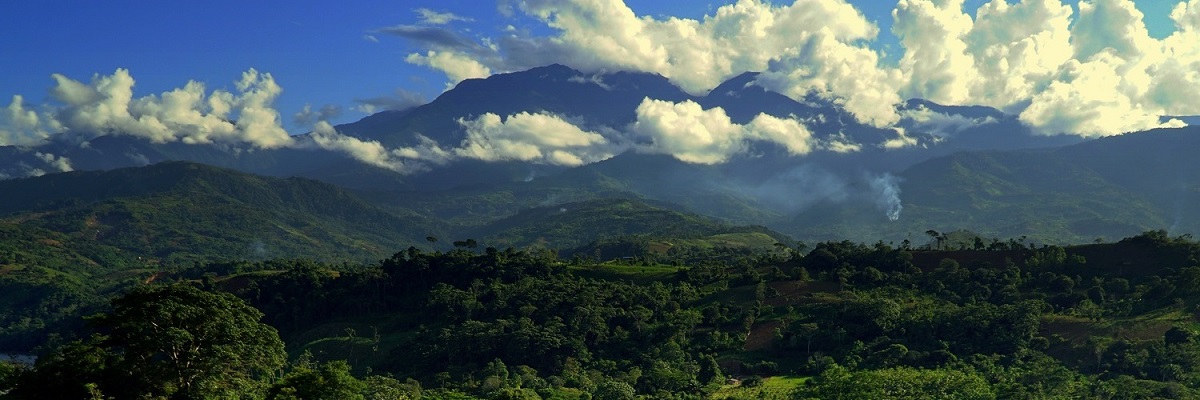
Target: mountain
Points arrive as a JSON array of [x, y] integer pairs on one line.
[[967, 167], [122, 151], [599, 99], [1112, 187], [604, 102], [175, 212]]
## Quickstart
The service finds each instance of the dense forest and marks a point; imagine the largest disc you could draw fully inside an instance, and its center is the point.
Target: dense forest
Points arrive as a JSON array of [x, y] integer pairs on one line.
[[957, 318]]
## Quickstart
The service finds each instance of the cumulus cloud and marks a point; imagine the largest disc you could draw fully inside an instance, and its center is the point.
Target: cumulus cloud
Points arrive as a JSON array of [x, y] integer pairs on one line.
[[1187, 15], [695, 135], [1033, 58], [538, 138], [935, 49], [457, 66], [371, 152], [189, 114], [20, 126], [1092, 73], [1086, 100], [810, 46]]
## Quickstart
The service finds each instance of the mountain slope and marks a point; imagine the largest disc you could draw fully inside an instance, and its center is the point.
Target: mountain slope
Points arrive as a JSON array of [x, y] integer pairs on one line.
[[175, 212], [604, 102], [608, 100], [570, 225], [1112, 187]]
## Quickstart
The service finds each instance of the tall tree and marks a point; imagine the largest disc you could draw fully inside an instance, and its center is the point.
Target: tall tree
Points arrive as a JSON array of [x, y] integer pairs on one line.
[[182, 342]]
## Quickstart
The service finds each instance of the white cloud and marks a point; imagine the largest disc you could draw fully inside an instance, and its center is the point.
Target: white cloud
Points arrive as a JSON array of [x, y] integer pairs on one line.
[[1017, 49], [107, 106], [842, 144], [20, 126], [846, 74], [790, 133], [44, 163], [457, 66], [1186, 15], [695, 135], [1094, 73], [749, 35], [371, 152], [939, 124], [901, 140], [59, 163], [188, 114], [538, 138], [1086, 100], [688, 132], [1025, 57], [438, 18], [935, 57]]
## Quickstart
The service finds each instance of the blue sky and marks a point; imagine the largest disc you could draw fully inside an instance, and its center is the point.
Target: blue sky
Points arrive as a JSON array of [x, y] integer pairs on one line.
[[321, 53]]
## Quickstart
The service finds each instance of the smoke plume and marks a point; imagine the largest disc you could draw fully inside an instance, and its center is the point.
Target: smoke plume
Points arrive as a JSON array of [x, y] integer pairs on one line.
[[887, 190]]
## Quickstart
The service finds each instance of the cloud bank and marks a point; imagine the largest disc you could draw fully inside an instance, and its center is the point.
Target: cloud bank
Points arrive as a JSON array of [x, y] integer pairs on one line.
[[1094, 72], [1091, 72], [243, 119], [189, 114], [246, 120]]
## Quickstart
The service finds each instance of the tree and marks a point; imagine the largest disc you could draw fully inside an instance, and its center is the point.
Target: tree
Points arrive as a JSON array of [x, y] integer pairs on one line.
[[614, 390], [937, 237], [710, 370], [808, 331], [8, 375], [1178, 335], [327, 381], [898, 383], [73, 371], [182, 342]]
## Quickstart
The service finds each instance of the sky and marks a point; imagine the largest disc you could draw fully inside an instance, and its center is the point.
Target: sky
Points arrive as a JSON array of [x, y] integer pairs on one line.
[[1090, 68]]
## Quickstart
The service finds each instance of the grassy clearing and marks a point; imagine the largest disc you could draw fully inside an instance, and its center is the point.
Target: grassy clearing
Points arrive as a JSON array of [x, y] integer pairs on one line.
[[772, 388], [619, 270], [1148, 326], [757, 241], [362, 344]]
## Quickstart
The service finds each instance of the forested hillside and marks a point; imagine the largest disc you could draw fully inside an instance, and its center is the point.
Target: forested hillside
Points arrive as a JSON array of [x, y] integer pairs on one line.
[[174, 213], [949, 319]]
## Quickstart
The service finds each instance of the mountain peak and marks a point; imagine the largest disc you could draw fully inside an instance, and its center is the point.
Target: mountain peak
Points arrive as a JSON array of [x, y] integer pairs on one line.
[[738, 83]]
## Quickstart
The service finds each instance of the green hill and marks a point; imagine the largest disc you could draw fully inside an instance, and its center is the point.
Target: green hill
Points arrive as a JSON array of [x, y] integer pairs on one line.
[[571, 225], [175, 213]]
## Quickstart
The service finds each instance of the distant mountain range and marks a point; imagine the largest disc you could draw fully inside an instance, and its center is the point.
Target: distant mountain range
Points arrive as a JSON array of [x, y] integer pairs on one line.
[[972, 168], [176, 212]]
